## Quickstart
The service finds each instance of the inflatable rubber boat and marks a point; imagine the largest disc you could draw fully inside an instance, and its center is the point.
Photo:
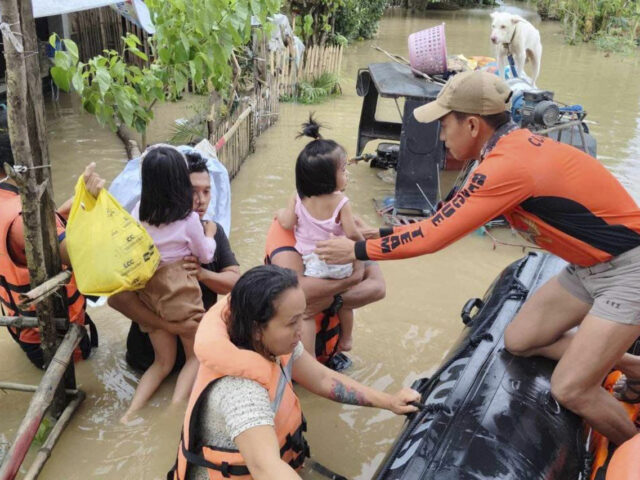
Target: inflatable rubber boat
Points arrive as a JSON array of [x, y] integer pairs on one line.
[[487, 414]]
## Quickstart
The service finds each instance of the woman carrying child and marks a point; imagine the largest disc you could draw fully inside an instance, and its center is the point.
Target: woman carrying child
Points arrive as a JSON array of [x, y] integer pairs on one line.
[[165, 210], [318, 211]]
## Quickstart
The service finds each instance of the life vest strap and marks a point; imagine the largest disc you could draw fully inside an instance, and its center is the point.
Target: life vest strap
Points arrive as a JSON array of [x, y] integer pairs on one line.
[[224, 468], [296, 442], [275, 251], [16, 288]]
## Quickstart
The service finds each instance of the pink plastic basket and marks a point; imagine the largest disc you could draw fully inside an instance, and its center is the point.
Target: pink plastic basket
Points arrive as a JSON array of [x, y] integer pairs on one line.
[[428, 50]]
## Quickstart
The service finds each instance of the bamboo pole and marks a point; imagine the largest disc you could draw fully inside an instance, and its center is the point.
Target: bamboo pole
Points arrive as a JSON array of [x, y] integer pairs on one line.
[[42, 291], [29, 322], [22, 387], [40, 402], [44, 452]]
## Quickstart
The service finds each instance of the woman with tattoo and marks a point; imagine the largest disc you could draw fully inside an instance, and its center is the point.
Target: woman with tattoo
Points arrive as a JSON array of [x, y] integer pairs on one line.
[[244, 419]]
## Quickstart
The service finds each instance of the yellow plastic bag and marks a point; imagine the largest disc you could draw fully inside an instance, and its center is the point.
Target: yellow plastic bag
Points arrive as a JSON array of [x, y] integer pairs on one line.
[[109, 251]]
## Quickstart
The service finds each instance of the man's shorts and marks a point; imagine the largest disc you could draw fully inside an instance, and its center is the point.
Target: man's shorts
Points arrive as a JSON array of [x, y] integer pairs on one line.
[[612, 288]]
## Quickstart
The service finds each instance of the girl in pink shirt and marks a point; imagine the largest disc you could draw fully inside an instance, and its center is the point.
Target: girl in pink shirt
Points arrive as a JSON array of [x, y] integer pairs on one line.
[[165, 210], [319, 210]]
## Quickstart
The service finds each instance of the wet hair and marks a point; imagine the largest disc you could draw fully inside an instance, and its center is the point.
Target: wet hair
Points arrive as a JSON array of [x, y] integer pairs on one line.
[[166, 195], [196, 162], [251, 303], [6, 154], [495, 121], [317, 163]]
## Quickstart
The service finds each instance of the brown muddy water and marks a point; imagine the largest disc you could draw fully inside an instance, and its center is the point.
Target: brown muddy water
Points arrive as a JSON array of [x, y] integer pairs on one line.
[[397, 340]]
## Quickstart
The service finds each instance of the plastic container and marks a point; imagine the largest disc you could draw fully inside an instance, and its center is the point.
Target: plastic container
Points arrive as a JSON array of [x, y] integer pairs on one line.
[[428, 50]]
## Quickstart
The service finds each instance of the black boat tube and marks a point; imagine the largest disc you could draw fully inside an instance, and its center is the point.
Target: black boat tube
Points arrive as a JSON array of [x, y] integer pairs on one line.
[[488, 414]]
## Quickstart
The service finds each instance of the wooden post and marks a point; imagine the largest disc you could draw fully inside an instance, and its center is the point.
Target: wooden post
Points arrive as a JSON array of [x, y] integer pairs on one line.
[[29, 146]]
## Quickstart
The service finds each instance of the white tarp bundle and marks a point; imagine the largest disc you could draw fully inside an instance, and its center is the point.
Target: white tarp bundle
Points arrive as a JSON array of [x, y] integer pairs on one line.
[[127, 185], [47, 8]]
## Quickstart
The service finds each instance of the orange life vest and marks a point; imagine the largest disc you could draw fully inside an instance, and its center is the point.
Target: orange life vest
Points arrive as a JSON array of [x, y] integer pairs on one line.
[[14, 279], [218, 358], [327, 325], [625, 464], [603, 450]]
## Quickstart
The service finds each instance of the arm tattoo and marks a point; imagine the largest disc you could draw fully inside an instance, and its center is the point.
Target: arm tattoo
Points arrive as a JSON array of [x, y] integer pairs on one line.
[[341, 393]]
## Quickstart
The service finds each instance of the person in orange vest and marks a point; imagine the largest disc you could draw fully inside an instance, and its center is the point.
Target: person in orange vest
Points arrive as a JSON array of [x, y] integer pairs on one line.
[[325, 296], [14, 275], [243, 418], [564, 201]]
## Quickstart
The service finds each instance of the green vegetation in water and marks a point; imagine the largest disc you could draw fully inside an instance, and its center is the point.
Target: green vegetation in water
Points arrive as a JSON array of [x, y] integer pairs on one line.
[[358, 19], [614, 25], [316, 91], [440, 4], [192, 129], [336, 21]]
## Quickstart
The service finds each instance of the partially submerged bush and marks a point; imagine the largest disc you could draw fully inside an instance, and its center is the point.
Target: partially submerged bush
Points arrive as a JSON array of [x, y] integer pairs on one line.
[[315, 91], [613, 24]]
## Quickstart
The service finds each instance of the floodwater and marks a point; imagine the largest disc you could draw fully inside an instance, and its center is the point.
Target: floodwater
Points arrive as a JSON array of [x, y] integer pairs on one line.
[[397, 340]]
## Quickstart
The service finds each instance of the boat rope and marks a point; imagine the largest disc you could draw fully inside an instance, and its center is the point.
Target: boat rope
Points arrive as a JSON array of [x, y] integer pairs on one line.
[[475, 341], [432, 407]]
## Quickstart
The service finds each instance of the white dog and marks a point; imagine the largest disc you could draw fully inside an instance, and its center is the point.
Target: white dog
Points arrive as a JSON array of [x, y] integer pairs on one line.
[[512, 34]]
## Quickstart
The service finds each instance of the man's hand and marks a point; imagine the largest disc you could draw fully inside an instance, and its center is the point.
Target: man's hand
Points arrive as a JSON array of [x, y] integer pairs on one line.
[[192, 266], [187, 328], [337, 251], [92, 180]]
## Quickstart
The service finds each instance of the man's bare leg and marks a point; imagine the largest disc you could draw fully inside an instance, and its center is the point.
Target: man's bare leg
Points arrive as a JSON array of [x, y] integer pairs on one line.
[[543, 320], [543, 323], [576, 381]]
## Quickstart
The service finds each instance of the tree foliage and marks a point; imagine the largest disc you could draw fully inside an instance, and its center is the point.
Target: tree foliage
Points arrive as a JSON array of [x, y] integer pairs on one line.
[[193, 44], [336, 21], [609, 22], [359, 19]]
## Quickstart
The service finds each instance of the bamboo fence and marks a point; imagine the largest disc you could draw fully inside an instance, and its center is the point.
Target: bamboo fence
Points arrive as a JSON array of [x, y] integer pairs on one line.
[[317, 60], [239, 143]]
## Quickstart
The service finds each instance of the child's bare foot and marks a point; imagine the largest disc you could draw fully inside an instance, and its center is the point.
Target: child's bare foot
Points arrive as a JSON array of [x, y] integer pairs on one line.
[[345, 344], [128, 420]]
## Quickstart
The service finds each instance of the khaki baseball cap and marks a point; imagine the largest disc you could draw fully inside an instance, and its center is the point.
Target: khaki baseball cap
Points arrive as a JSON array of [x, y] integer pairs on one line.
[[479, 93]]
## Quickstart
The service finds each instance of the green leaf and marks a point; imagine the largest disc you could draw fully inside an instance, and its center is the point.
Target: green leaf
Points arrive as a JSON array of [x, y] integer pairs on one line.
[[139, 53], [72, 48], [62, 59], [164, 55], [125, 106], [185, 41], [181, 81], [103, 78], [61, 77], [77, 81], [180, 54], [118, 70]]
